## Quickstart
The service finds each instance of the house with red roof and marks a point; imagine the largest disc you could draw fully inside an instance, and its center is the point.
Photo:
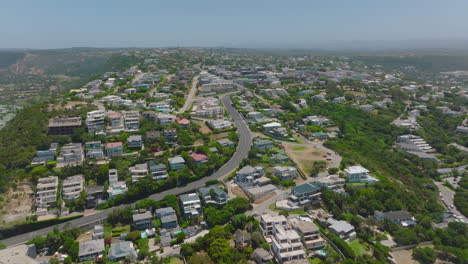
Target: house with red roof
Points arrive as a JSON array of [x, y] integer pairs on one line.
[[184, 122], [114, 149], [199, 158]]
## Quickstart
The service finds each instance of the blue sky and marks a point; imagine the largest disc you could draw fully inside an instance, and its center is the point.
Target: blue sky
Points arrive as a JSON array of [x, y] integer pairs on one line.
[[237, 23]]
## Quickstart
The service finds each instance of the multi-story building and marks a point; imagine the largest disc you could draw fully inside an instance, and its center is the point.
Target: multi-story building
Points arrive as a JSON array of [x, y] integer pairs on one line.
[[220, 123], [157, 171], [46, 194], [332, 182], [63, 125], [304, 194], [286, 245], [116, 187], [213, 195], [138, 172], [135, 142], [166, 119], [114, 149], [308, 231], [342, 229], [132, 120], [176, 163], [167, 216], [191, 205], [267, 223], [142, 221], [358, 174], [71, 154], [284, 173], [90, 250], [72, 187], [116, 122], [95, 121], [248, 174]]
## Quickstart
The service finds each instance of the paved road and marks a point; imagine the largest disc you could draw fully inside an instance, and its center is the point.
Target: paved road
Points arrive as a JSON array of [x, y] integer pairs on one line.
[[190, 96], [447, 195], [243, 148]]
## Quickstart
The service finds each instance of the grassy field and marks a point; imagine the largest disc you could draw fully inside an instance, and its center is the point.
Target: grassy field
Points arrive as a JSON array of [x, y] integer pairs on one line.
[[358, 248], [303, 155], [175, 260]]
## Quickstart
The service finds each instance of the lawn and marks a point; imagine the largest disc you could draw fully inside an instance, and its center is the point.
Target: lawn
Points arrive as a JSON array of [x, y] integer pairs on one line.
[[175, 260], [315, 261], [304, 155], [299, 148], [358, 248], [299, 140]]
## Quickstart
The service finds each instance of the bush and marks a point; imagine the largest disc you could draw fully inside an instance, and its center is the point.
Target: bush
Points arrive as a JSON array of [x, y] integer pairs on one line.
[[424, 255]]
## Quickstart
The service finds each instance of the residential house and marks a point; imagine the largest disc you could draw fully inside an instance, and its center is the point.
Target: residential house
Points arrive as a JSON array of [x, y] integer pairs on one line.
[[213, 195], [225, 142], [261, 256], [275, 130], [153, 135], [199, 158], [157, 171], [267, 223], [142, 221], [94, 150], [358, 174], [308, 231], [114, 149], [304, 194], [116, 122], [63, 125], [138, 172], [332, 182], [176, 163], [116, 187], [167, 216], [248, 174], [95, 194], [401, 217], [98, 232], [72, 187], [220, 123], [342, 229], [286, 245], [71, 154], [242, 239], [43, 156], [135, 142], [150, 115], [166, 119], [46, 192], [284, 173], [122, 250], [262, 144], [90, 250], [170, 134], [191, 205], [184, 123]]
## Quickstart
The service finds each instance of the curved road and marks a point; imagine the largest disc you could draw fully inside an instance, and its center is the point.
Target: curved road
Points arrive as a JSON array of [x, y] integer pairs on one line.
[[243, 148]]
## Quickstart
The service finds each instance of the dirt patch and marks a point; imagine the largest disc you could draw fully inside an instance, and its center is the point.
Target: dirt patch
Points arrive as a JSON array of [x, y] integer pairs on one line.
[[17, 204], [219, 136], [238, 192], [203, 128], [264, 198], [304, 155], [404, 257]]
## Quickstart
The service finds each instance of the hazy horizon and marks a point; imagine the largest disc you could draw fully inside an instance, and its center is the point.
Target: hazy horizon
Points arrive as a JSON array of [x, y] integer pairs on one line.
[[241, 24]]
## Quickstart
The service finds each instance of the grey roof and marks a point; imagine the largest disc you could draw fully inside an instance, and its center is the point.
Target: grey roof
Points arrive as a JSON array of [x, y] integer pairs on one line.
[[91, 247], [305, 188], [263, 254], [395, 215], [169, 219], [145, 215], [177, 159], [205, 191], [189, 197], [121, 249], [165, 210]]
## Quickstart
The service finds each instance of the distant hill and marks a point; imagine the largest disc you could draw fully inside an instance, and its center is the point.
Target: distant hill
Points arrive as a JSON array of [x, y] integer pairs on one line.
[[8, 58]]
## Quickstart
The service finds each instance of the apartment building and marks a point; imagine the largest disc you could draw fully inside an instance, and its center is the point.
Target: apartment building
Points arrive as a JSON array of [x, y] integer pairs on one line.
[[72, 187], [191, 205], [286, 245], [267, 223], [116, 122], [63, 125], [138, 172], [46, 194], [95, 121], [132, 120]]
